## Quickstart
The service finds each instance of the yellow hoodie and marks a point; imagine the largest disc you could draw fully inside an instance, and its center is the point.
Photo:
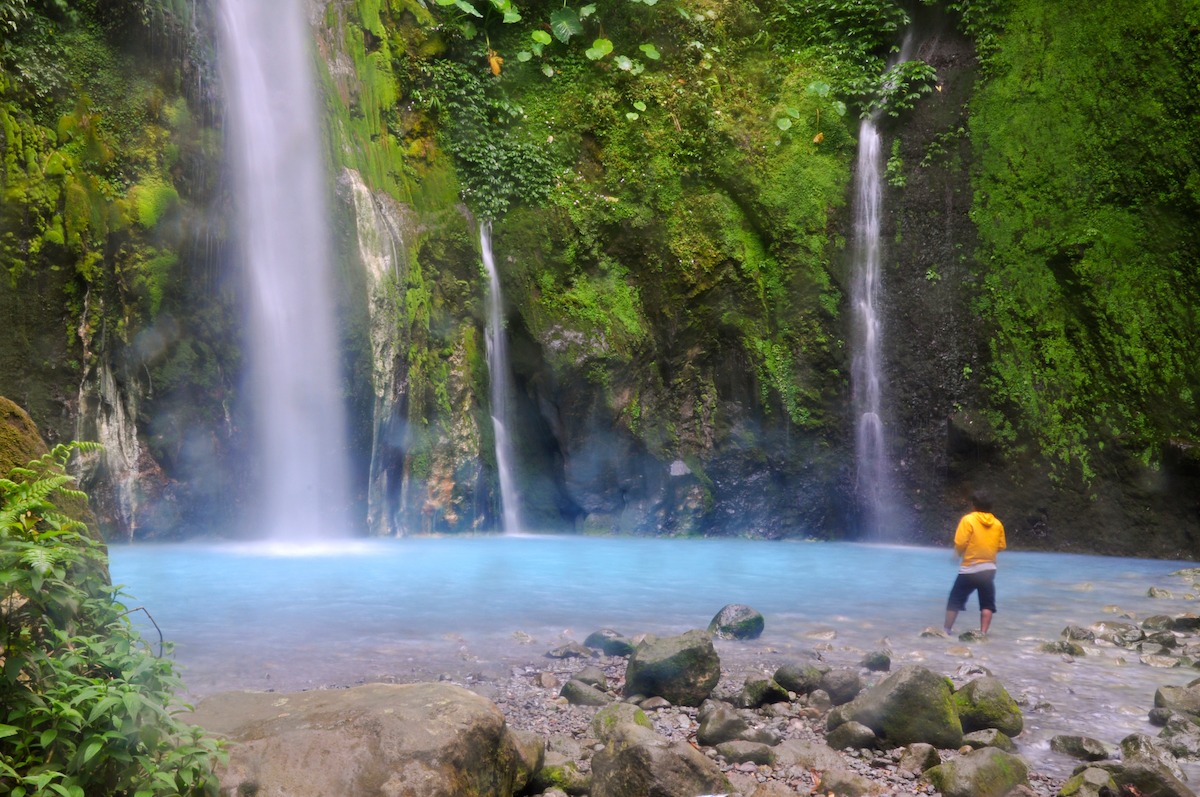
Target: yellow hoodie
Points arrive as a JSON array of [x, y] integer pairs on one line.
[[979, 537]]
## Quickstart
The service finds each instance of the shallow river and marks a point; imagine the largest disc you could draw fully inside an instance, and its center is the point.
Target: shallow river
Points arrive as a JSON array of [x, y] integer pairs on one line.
[[277, 617]]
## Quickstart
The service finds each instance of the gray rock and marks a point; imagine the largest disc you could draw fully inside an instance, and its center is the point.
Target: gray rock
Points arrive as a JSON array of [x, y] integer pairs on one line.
[[989, 737], [759, 691], [427, 740], [844, 783], [981, 773], [719, 723], [742, 752], [1158, 622], [877, 661], [592, 676], [801, 677], [683, 669], [561, 773], [1084, 748], [737, 621], [918, 757], [1184, 699], [1120, 634], [636, 760], [913, 704], [1138, 747], [610, 642], [985, 703], [1063, 647], [1077, 633], [1091, 782], [806, 754], [571, 650], [842, 685], [851, 735], [578, 693]]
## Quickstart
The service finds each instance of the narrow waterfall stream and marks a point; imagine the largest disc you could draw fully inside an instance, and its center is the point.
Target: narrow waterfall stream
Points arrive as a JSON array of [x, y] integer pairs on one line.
[[870, 444], [498, 370], [279, 168]]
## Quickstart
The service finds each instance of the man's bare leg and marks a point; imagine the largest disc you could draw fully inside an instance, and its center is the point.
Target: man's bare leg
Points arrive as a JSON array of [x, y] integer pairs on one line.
[[985, 620], [950, 615]]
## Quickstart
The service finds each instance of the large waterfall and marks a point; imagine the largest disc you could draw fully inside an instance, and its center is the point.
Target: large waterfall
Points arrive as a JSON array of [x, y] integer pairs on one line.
[[498, 370], [870, 444], [279, 165]]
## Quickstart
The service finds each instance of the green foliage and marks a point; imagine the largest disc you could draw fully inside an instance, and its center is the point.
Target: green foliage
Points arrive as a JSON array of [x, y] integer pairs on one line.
[[89, 710], [1086, 137], [496, 164]]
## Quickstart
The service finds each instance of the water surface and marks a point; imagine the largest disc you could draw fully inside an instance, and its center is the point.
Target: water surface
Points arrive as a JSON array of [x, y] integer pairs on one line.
[[280, 617]]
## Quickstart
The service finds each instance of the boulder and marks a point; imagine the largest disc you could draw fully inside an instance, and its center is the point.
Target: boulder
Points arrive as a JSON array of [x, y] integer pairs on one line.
[[578, 693], [759, 691], [851, 735], [592, 676], [988, 772], [1091, 782], [918, 757], [571, 650], [719, 723], [683, 669], [801, 677], [743, 752], [1184, 699], [842, 782], [560, 772], [1084, 748], [609, 642], [636, 760], [913, 704], [841, 685], [989, 737], [737, 621], [423, 740], [877, 661], [809, 755], [985, 703], [1120, 634]]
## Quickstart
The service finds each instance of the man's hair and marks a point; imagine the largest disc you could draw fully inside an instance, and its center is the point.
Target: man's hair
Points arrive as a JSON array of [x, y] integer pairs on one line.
[[981, 500]]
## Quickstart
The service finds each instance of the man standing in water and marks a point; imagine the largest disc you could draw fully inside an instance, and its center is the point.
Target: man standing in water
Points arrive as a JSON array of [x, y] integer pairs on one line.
[[979, 537]]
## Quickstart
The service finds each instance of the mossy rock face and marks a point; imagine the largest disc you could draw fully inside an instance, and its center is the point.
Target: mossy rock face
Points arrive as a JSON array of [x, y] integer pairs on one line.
[[683, 669], [984, 703], [914, 704], [20, 440]]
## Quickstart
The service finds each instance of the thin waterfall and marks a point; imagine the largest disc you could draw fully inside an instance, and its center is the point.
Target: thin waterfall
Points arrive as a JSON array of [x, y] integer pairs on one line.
[[873, 484], [870, 444], [279, 169], [498, 370]]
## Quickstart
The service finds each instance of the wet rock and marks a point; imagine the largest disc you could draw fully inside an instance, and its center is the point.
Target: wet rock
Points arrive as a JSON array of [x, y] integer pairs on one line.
[[578, 693], [592, 676], [972, 636], [531, 757], [1158, 622], [851, 735], [737, 621], [562, 773], [801, 677], [1084, 748], [1063, 647], [1159, 592], [1091, 782], [877, 661], [842, 685], [1138, 747], [759, 691], [989, 737], [609, 642], [981, 773], [918, 757], [1186, 623], [1120, 634], [683, 669], [985, 703], [719, 723], [1179, 698], [914, 704], [1078, 633], [571, 650], [843, 783], [742, 752]]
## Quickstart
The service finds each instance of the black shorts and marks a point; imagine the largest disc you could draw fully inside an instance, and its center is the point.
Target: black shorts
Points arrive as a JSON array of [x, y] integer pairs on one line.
[[966, 583]]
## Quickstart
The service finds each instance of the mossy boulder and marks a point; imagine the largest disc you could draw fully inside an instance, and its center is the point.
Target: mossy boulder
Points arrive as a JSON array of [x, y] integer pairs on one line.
[[988, 772], [914, 704], [984, 703], [683, 669], [737, 621]]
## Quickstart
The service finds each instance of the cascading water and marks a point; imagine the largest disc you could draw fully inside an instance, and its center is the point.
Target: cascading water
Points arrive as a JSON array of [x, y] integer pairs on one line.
[[870, 444], [873, 482], [279, 167], [497, 350]]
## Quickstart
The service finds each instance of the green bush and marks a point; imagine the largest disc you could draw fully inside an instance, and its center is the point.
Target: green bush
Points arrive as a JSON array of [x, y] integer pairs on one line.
[[89, 708]]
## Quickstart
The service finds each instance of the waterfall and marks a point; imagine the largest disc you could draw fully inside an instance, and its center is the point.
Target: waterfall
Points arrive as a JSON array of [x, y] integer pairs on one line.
[[873, 485], [279, 166], [870, 444], [497, 351]]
